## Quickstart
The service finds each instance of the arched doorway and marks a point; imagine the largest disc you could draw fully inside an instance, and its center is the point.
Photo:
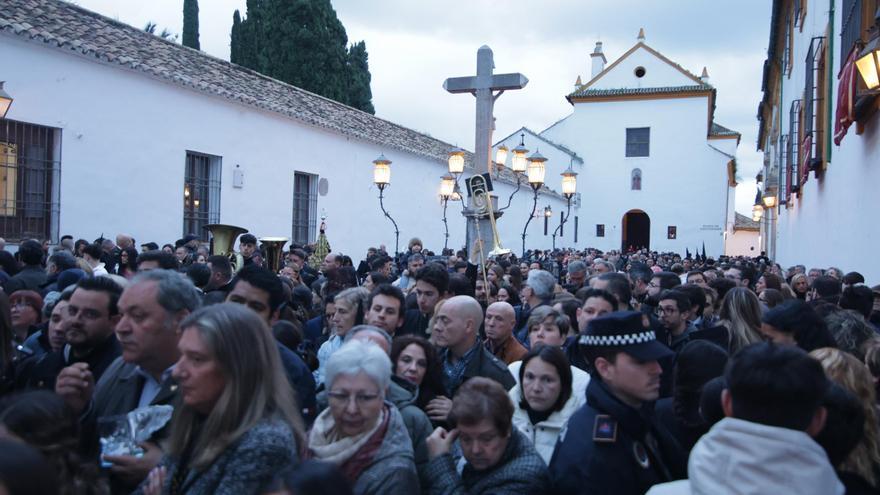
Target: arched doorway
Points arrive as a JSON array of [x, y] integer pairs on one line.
[[636, 229]]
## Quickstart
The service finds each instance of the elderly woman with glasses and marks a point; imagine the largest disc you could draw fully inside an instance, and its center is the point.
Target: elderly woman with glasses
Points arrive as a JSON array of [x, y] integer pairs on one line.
[[360, 432]]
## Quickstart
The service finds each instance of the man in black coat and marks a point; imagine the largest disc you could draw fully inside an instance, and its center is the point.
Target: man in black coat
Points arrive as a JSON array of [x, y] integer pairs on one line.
[[151, 309], [32, 276], [456, 328], [260, 290], [91, 344], [613, 444]]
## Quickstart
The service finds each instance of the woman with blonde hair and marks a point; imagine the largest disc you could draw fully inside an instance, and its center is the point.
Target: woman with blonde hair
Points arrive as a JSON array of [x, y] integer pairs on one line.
[[237, 425], [800, 286], [848, 372], [741, 315]]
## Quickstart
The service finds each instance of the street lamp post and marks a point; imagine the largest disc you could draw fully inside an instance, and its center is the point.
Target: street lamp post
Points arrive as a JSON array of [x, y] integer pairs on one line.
[[518, 166], [382, 179], [569, 188], [536, 171], [447, 190]]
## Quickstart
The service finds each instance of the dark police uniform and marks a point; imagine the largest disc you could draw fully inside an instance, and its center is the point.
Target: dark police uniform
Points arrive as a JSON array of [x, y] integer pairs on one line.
[[607, 446]]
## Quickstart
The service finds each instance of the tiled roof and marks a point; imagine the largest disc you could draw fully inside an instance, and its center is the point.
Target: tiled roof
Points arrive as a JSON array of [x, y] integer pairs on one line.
[[65, 26], [743, 222], [556, 145], [720, 130], [587, 93]]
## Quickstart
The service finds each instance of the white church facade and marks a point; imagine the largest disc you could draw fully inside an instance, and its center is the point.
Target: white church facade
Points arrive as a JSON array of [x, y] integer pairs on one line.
[[115, 130], [655, 169]]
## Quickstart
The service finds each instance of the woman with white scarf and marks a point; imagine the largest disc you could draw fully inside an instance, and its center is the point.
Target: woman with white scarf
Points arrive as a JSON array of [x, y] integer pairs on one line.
[[360, 432]]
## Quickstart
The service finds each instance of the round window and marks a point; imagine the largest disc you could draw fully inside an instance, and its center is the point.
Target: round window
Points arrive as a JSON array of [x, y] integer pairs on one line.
[[639, 72]]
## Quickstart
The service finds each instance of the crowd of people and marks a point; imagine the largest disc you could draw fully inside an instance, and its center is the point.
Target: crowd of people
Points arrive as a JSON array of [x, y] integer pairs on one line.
[[171, 370]]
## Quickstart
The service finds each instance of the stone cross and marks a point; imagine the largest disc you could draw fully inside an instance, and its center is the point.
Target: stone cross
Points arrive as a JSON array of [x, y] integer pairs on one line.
[[483, 85], [480, 221]]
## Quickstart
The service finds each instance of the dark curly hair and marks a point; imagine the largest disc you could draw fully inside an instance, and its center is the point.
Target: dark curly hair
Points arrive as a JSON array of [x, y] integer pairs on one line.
[[43, 421]]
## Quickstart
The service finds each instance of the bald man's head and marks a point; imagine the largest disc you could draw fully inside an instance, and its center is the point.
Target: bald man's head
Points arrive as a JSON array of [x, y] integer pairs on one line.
[[499, 322], [456, 324]]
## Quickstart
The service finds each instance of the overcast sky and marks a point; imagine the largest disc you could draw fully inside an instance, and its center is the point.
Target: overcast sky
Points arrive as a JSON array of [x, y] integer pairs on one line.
[[414, 45]]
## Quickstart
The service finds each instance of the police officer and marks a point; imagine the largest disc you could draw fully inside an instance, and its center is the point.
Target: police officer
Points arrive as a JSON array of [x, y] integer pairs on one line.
[[613, 444]]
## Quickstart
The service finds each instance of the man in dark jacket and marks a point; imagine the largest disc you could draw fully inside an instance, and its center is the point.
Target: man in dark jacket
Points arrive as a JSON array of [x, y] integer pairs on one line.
[[151, 309], [431, 286], [91, 343], [613, 444], [260, 290], [31, 276], [456, 326]]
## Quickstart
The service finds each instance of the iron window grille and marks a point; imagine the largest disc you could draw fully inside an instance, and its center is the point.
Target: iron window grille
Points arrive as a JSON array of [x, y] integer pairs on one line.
[[794, 154], [600, 230], [30, 170], [786, 51], [782, 167], [851, 26], [812, 98], [305, 206], [638, 141], [201, 193]]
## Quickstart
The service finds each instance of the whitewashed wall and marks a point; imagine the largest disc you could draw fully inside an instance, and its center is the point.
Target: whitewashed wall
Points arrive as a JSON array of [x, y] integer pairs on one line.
[[743, 243], [833, 222], [124, 143], [684, 181]]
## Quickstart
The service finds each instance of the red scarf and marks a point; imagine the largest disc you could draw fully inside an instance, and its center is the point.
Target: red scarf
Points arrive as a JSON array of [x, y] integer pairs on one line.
[[355, 465]]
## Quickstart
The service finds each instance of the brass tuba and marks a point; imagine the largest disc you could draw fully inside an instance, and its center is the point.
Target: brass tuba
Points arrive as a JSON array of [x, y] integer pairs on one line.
[[223, 243], [273, 247]]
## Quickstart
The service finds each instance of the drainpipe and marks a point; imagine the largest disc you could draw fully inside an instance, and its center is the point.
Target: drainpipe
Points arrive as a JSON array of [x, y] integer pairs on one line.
[[829, 83]]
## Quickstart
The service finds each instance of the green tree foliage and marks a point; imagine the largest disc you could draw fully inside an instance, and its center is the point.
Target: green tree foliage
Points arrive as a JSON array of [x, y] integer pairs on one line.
[[235, 39], [359, 94], [303, 43], [191, 24]]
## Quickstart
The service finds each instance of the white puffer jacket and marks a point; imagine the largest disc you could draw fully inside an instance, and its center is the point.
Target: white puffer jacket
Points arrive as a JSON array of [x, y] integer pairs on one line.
[[544, 434]]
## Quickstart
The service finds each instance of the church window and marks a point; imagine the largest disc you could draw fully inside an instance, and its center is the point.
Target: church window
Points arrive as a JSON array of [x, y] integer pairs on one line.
[[600, 230], [30, 168], [201, 193], [305, 207], [640, 72], [636, 180], [638, 141]]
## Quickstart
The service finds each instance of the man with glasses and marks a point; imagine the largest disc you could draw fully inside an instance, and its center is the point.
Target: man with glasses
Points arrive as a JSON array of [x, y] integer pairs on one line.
[[673, 312]]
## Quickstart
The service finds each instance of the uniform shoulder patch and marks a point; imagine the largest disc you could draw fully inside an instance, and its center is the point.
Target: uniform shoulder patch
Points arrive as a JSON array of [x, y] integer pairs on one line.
[[605, 429]]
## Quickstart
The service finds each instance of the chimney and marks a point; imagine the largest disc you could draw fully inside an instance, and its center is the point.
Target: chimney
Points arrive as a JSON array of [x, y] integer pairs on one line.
[[598, 60], [704, 76], [641, 35]]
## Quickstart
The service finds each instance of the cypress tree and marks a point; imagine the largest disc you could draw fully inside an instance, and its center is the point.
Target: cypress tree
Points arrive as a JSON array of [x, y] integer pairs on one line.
[[235, 39], [191, 24], [359, 94], [303, 43]]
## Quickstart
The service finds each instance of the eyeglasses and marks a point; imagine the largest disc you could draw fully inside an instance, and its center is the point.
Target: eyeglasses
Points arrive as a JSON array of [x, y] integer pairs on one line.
[[342, 398], [665, 311]]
